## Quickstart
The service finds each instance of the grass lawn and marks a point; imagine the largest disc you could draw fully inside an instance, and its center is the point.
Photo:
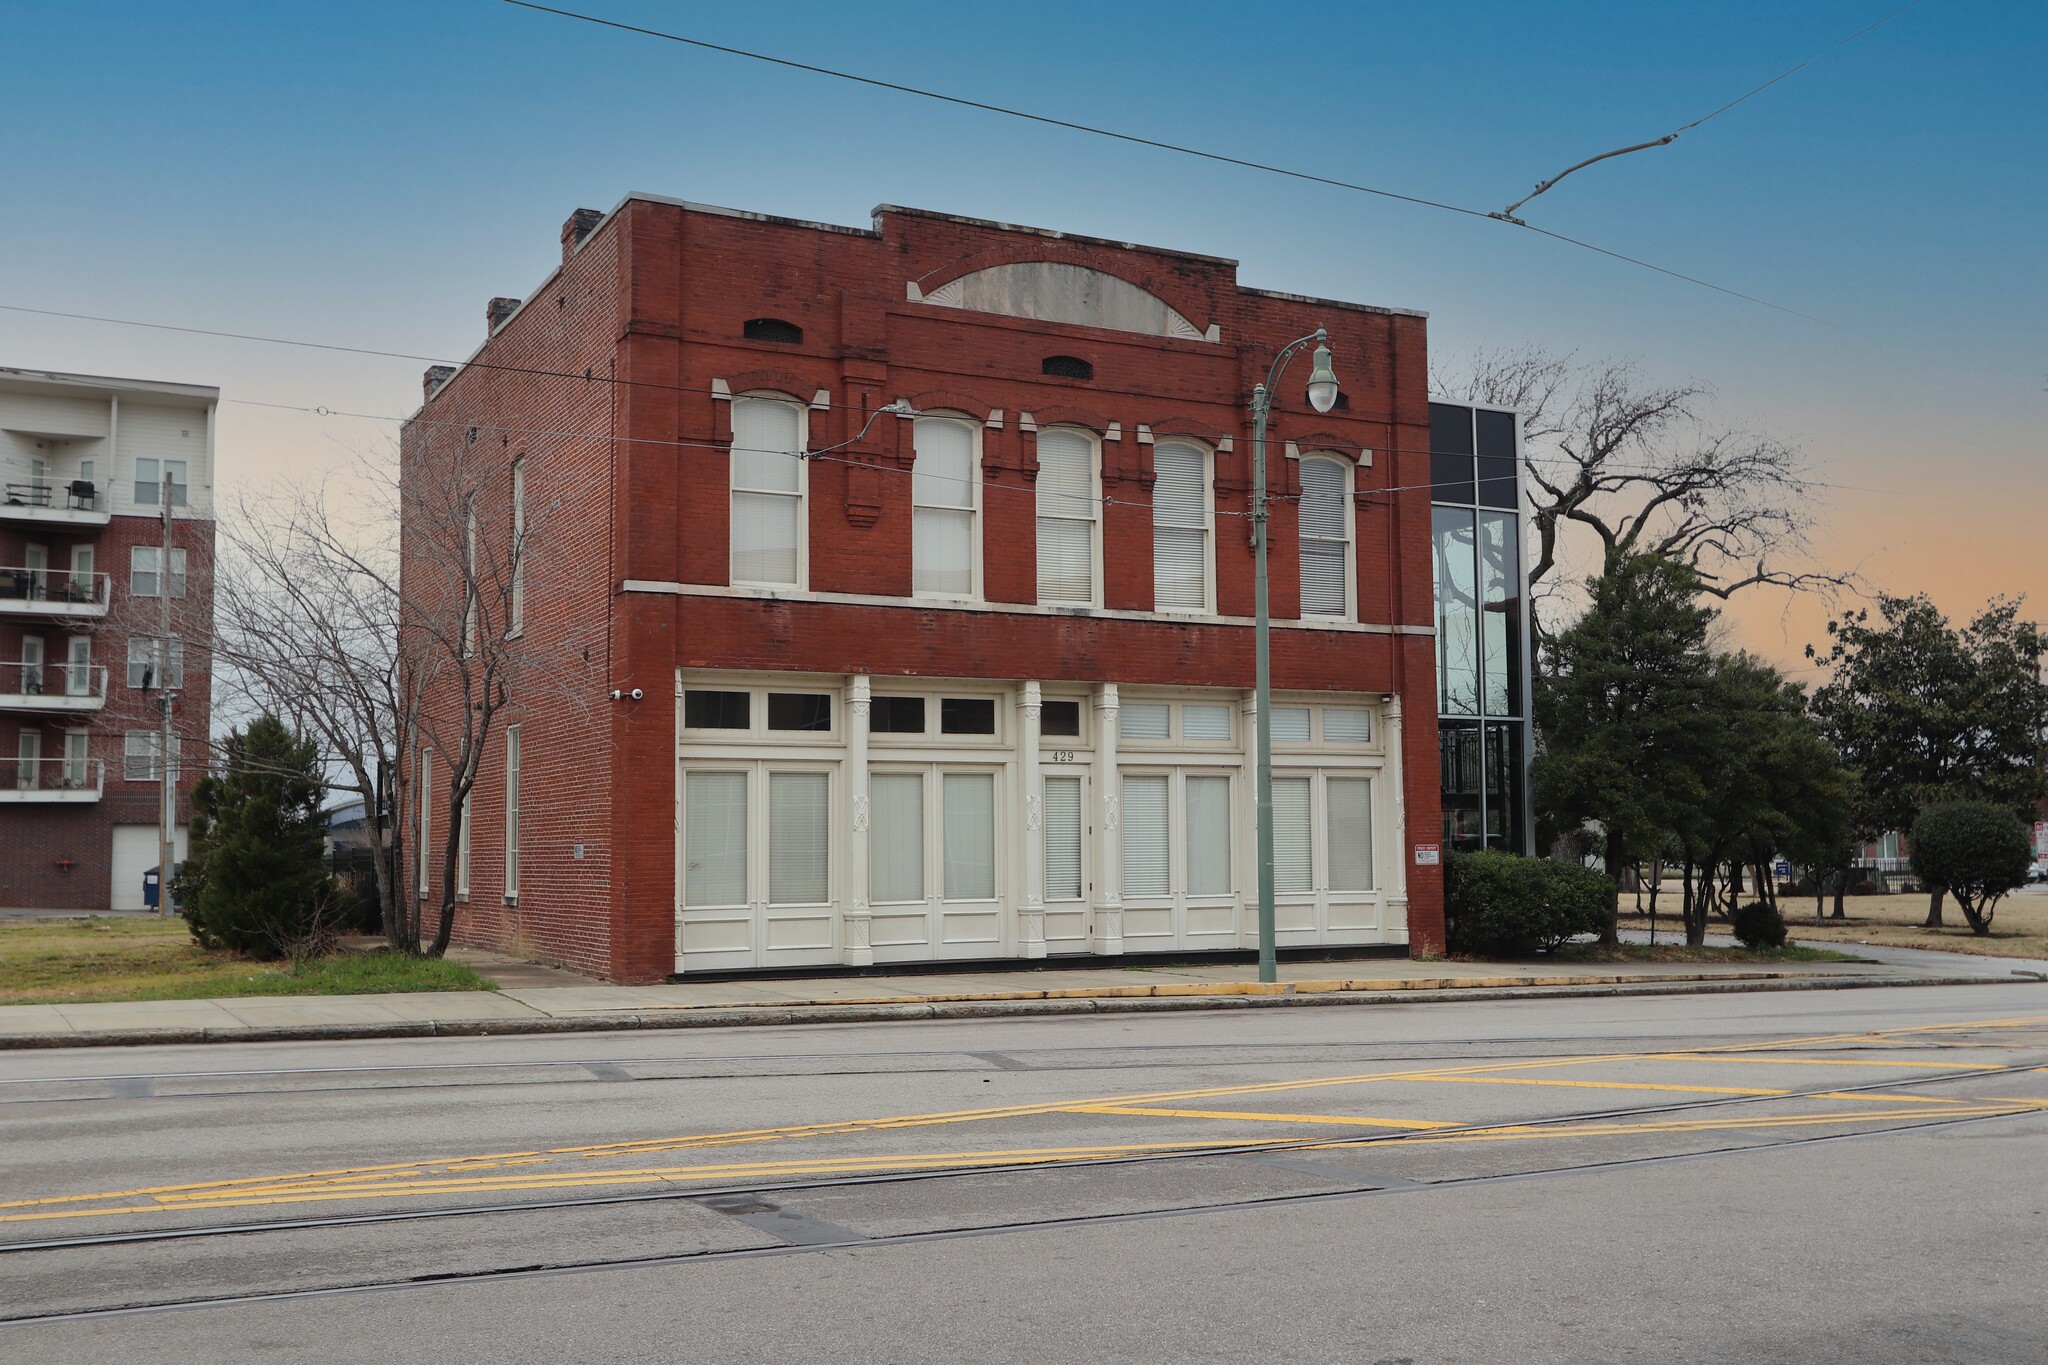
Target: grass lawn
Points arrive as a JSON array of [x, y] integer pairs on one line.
[[140, 957], [2018, 929]]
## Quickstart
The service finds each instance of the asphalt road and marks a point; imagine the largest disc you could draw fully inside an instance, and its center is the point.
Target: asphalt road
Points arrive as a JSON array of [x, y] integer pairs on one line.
[[1824, 1176]]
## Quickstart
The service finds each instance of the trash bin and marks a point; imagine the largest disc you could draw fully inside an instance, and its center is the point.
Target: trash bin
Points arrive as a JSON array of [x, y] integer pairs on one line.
[[150, 890]]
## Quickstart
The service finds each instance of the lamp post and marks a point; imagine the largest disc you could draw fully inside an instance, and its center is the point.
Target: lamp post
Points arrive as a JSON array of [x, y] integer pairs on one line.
[[1322, 396]]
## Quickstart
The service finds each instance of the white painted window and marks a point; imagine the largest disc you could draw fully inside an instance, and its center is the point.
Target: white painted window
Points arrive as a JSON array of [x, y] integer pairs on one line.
[[768, 481], [1293, 853], [1205, 720], [1063, 838], [1348, 818], [146, 666], [515, 609], [1067, 508], [423, 782], [1145, 720], [1347, 725], [896, 838], [1322, 822], [149, 482], [1146, 845], [140, 762], [1290, 724], [945, 486], [512, 760], [1155, 864], [1208, 827], [1180, 527], [799, 839], [969, 811], [145, 563], [462, 846], [715, 839], [1325, 537]]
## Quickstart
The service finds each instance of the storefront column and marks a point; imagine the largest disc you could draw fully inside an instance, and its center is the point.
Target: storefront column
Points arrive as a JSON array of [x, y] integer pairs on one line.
[[1032, 919], [856, 948], [1397, 889], [1108, 934]]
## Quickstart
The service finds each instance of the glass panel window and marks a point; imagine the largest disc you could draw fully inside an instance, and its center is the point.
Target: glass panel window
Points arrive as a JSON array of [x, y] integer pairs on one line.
[[1060, 719], [897, 716], [715, 839], [896, 846], [967, 716], [799, 871], [1347, 725], [1504, 786], [139, 749], [708, 710], [1501, 614], [1459, 770], [799, 710], [1145, 719], [425, 812], [1293, 868], [1145, 837], [149, 482], [1066, 517], [767, 493], [1348, 802], [1290, 724], [1063, 838], [512, 763], [1325, 539], [1208, 846], [144, 577], [1204, 721], [77, 747], [943, 488], [1455, 566], [1180, 527], [969, 810]]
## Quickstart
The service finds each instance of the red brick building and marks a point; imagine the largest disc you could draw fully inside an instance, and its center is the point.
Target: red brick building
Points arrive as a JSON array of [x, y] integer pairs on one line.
[[82, 664], [887, 597]]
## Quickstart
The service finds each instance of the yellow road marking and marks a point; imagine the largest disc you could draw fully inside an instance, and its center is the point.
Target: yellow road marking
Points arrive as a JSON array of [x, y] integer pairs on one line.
[[1865, 1096], [1417, 1125]]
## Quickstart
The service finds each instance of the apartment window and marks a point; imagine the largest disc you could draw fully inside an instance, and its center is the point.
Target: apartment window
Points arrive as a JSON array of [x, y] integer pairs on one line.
[[146, 667], [512, 758], [707, 710], [967, 716], [471, 590], [515, 610], [1066, 517], [145, 565], [424, 782], [1180, 527], [768, 478], [798, 710], [944, 489], [1061, 719], [140, 757], [462, 846], [78, 666], [897, 716], [1325, 538], [77, 747], [149, 482]]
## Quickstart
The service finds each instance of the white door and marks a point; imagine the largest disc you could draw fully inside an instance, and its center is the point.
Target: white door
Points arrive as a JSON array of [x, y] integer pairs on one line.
[[934, 865], [757, 868], [1069, 885], [135, 852], [1325, 869], [78, 667], [1180, 887], [28, 753], [31, 666]]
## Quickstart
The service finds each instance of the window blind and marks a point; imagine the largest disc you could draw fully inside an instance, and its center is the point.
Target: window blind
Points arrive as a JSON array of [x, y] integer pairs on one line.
[[1347, 724], [764, 445], [715, 839], [767, 484], [942, 485], [1208, 815], [1291, 724], [1063, 838], [799, 871], [942, 551], [896, 844], [1201, 721], [969, 810], [1180, 527], [1145, 842], [1066, 517], [1144, 719], [1293, 868], [1349, 803], [764, 538], [1324, 538]]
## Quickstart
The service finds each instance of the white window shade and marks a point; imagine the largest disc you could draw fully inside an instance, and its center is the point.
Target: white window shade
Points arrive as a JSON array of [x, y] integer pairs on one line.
[[896, 844], [1180, 528], [1347, 724], [943, 484], [764, 538], [1208, 818], [1325, 539], [1293, 866], [715, 839], [1349, 802], [1145, 838], [1290, 723], [1066, 517], [1203, 721], [1063, 838], [799, 871], [767, 493], [969, 809], [1144, 719], [764, 446], [942, 551]]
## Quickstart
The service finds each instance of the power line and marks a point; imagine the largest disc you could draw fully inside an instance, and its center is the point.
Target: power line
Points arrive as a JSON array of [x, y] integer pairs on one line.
[[1138, 140]]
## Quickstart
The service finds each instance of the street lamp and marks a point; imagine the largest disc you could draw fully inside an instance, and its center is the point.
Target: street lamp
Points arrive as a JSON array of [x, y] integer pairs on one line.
[[1322, 396]]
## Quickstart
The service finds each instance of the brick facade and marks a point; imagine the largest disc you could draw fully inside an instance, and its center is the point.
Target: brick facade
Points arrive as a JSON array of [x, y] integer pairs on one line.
[[612, 384]]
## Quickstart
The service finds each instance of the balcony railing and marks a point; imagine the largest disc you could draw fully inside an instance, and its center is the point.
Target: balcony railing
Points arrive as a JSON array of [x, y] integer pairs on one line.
[[80, 502], [51, 780], [52, 592], [52, 687]]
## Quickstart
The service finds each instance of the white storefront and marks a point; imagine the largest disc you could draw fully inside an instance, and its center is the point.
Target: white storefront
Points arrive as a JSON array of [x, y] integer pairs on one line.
[[862, 821]]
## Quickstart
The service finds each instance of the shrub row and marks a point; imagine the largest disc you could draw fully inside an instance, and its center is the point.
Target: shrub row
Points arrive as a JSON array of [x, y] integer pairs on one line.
[[1500, 905]]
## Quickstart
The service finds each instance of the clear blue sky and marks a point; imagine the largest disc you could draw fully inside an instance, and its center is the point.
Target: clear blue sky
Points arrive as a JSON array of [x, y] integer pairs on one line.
[[371, 172]]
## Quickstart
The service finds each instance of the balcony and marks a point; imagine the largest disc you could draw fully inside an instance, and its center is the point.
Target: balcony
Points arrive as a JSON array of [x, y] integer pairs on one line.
[[69, 689], [53, 592], [78, 503], [52, 781]]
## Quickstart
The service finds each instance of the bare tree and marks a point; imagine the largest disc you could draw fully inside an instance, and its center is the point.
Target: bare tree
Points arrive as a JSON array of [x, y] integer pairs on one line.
[[1638, 470]]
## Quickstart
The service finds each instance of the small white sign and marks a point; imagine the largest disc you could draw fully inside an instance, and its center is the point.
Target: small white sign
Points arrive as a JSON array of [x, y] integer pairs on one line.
[[1428, 855]]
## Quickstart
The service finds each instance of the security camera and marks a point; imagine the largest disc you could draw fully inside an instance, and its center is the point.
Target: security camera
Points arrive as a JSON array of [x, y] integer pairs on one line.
[[638, 694]]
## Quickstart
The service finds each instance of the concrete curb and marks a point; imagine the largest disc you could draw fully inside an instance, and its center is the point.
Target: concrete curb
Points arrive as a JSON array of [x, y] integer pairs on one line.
[[1037, 1003]]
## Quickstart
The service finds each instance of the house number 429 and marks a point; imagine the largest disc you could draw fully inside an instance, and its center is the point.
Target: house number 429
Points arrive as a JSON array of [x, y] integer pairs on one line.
[[1061, 756]]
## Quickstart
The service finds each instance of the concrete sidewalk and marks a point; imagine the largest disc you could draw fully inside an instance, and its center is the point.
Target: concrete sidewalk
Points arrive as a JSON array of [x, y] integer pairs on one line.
[[555, 1008]]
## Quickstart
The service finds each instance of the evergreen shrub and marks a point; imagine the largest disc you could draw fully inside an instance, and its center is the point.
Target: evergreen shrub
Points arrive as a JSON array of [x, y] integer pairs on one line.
[[1759, 925], [1497, 904]]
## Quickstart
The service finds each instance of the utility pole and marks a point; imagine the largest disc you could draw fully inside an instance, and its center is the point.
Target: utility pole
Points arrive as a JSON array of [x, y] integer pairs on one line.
[[167, 814]]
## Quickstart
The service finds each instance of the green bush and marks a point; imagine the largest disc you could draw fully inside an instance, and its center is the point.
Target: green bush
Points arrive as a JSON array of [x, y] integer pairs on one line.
[[1497, 904], [1976, 850], [1759, 925]]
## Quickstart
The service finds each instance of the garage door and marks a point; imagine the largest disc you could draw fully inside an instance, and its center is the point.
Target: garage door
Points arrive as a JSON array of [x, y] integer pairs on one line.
[[135, 852]]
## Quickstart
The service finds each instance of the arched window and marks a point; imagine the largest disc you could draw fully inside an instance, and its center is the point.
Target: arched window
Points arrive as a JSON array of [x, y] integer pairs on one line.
[[1067, 508], [768, 479], [945, 487], [1325, 537], [1180, 527], [772, 329], [1067, 367]]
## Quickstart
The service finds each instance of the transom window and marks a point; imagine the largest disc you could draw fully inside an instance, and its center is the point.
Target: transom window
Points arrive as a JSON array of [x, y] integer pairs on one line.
[[1200, 722], [1067, 510], [1325, 537], [945, 488], [740, 712], [1180, 527], [768, 482]]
